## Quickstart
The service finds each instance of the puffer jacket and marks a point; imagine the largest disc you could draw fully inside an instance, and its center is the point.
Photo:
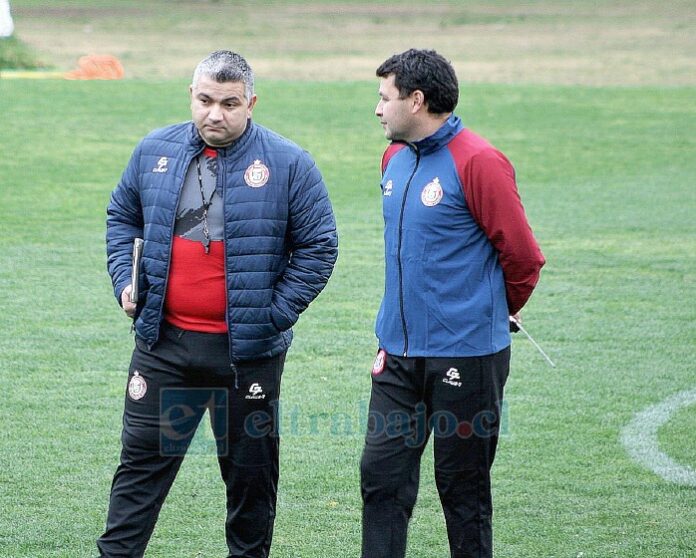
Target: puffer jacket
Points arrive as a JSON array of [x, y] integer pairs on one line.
[[280, 238]]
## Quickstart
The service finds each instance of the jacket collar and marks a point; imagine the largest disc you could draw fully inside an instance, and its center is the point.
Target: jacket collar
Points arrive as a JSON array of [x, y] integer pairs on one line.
[[237, 145], [450, 128]]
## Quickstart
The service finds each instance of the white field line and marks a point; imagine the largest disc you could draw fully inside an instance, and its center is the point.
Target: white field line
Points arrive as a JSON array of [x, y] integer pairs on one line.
[[640, 439]]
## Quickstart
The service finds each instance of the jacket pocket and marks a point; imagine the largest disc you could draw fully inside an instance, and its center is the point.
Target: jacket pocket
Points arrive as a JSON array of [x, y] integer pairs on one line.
[[279, 321]]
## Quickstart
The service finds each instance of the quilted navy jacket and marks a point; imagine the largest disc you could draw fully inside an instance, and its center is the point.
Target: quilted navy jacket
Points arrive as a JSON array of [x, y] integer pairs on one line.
[[280, 238]]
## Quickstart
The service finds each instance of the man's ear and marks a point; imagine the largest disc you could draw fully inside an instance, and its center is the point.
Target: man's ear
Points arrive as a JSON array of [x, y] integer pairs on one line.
[[251, 105], [417, 101]]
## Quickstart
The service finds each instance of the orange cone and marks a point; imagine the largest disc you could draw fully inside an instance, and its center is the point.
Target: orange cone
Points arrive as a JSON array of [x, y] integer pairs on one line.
[[95, 66]]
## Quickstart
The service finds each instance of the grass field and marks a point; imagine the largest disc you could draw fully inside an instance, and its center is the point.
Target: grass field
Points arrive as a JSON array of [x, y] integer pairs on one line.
[[607, 176], [591, 42]]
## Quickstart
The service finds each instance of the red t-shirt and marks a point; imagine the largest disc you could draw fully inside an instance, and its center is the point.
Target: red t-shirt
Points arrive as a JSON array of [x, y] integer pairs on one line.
[[196, 295], [196, 298]]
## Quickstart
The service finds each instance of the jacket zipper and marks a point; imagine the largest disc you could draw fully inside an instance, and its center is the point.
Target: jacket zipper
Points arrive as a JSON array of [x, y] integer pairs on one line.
[[220, 172], [398, 252], [172, 227]]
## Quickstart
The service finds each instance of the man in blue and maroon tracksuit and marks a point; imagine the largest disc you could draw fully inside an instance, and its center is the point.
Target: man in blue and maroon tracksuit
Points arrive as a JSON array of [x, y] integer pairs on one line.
[[460, 260], [239, 239]]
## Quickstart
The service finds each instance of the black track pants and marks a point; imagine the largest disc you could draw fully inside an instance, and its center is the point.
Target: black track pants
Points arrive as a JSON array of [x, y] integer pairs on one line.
[[458, 400], [182, 376]]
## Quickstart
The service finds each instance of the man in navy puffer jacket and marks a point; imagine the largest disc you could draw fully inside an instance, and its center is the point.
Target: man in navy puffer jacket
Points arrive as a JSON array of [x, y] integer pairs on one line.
[[239, 238]]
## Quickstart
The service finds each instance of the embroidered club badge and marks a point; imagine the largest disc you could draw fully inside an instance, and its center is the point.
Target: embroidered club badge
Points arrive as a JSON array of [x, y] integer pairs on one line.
[[432, 193], [137, 387], [380, 361], [257, 174]]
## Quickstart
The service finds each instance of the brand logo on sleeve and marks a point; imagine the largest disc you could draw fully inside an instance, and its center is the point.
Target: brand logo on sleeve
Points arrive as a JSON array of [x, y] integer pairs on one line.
[[388, 187], [161, 165]]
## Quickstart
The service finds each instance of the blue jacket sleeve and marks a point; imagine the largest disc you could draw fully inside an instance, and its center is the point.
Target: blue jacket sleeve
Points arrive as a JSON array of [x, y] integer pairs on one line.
[[124, 222], [313, 244]]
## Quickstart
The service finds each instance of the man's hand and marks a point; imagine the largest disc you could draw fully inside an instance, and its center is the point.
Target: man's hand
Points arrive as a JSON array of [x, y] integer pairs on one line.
[[128, 306], [514, 320]]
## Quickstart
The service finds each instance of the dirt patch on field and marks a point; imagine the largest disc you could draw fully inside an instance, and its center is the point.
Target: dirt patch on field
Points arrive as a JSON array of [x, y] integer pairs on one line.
[[580, 42]]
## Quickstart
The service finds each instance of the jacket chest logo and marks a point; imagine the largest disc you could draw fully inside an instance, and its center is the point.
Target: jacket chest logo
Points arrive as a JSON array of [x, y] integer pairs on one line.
[[257, 174], [161, 165], [432, 193]]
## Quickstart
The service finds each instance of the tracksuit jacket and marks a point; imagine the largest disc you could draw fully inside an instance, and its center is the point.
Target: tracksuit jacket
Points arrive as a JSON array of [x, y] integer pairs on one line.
[[460, 256], [280, 238]]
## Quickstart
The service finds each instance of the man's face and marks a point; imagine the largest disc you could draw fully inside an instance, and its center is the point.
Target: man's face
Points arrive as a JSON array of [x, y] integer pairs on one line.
[[220, 110], [394, 113]]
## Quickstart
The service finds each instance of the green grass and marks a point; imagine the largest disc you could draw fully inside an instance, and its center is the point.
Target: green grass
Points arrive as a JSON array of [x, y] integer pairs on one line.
[[17, 55], [606, 175], [590, 42]]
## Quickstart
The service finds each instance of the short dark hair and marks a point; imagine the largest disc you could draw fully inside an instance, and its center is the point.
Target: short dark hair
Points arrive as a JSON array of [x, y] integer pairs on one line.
[[223, 66], [427, 71]]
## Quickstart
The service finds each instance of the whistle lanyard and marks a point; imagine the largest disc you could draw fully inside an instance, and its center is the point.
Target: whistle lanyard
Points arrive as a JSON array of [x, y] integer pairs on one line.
[[206, 206]]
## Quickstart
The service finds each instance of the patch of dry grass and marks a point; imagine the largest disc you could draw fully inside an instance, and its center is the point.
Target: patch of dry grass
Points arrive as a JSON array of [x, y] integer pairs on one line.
[[580, 42]]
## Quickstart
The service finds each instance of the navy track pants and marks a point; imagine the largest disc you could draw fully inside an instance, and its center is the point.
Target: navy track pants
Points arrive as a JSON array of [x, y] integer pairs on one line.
[[170, 387], [458, 401]]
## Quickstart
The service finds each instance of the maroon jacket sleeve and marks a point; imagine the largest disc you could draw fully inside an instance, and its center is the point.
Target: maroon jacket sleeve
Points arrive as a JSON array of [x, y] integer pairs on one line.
[[488, 181], [389, 153]]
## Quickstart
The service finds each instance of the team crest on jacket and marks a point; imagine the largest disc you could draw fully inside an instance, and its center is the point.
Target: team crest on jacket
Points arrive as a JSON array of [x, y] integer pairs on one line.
[[432, 193], [257, 174], [137, 387]]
